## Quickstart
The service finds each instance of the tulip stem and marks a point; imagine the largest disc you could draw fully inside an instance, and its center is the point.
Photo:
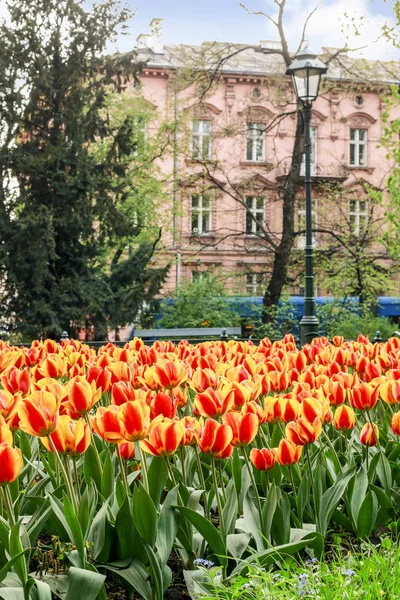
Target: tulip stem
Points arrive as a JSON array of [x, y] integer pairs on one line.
[[218, 497], [96, 452], [253, 483], [9, 505], [123, 472], [222, 480], [77, 482], [64, 473], [182, 456], [143, 466], [313, 503], [201, 475]]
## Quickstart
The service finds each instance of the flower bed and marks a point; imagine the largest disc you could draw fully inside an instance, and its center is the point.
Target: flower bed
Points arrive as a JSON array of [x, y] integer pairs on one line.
[[223, 452]]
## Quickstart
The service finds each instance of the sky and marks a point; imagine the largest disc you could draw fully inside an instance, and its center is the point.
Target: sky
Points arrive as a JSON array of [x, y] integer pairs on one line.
[[357, 22]]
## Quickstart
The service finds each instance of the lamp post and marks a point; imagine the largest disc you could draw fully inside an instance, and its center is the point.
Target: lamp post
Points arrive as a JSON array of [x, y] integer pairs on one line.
[[306, 71]]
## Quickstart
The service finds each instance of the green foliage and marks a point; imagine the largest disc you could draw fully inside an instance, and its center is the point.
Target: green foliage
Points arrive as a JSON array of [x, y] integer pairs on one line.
[[349, 320], [201, 303], [280, 320], [368, 572], [76, 185]]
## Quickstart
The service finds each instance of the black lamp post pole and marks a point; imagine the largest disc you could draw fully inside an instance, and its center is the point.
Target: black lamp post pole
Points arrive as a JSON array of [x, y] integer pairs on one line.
[[309, 322]]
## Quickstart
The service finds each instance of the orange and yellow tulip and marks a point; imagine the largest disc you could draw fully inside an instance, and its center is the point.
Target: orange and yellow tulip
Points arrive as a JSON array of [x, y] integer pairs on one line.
[[38, 413], [369, 435], [135, 419], [244, 427], [344, 418], [364, 396], [10, 463], [214, 403], [287, 453], [82, 395], [170, 374], [5, 432], [390, 391], [214, 438], [302, 432], [395, 423], [7, 403], [164, 438], [16, 380], [70, 437], [107, 424]]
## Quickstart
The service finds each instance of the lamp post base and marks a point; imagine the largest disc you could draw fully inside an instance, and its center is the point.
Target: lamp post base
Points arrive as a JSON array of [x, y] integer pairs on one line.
[[308, 329]]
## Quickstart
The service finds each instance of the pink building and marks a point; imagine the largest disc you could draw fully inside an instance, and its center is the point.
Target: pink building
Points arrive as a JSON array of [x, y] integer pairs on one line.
[[233, 148]]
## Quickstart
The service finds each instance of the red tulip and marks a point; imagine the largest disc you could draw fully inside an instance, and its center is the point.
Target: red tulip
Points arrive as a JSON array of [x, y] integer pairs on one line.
[[244, 427], [164, 438], [287, 453], [214, 438], [263, 459]]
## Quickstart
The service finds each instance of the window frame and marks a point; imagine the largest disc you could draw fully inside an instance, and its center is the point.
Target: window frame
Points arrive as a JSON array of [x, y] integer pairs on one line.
[[314, 153], [199, 212], [301, 214], [200, 136], [254, 285], [355, 227], [253, 136], [357, 144], [255, 227]]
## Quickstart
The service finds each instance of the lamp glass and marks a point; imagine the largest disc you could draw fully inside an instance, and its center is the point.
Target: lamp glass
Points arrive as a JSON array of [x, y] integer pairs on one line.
[[306, 84]]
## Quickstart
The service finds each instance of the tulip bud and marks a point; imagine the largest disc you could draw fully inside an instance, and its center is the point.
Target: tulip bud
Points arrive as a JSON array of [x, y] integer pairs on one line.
[[287, 453], [369, 436], [395, 423], [10, 463], [344, 418]]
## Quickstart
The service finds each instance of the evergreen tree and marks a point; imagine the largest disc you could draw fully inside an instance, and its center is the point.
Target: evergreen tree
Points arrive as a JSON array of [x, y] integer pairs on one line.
[[73, 254]]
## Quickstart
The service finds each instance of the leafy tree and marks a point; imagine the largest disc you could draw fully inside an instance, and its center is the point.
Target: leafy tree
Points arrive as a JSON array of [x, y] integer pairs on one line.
[[201, 303], [75, 183]]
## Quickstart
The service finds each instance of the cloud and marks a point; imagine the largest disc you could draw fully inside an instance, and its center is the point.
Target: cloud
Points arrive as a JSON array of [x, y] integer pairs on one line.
[[338, 22]]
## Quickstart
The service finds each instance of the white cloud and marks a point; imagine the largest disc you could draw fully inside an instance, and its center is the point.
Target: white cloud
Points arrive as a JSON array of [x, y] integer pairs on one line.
[[337, 22]]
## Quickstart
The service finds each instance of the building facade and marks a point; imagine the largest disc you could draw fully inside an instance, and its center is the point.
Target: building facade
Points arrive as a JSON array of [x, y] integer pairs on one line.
[[233, 116]]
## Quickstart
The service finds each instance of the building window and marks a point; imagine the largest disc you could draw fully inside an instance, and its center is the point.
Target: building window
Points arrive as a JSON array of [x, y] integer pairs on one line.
[[358, 216], [301, 221], [255, 138], [198, 275], [254, 215], [358, 147], [201, 214], [254, 283], [359, 100], [314, 138], [256, 92], [201, 140]]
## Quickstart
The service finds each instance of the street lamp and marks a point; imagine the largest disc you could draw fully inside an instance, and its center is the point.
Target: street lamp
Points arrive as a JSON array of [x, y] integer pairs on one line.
[[306, 71]]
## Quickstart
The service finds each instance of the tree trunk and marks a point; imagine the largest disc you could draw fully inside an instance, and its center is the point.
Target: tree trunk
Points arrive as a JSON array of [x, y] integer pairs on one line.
[[283, 252]]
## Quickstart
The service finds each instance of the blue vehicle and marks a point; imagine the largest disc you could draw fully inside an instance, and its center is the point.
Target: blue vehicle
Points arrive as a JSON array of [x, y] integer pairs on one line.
[[250, 309]]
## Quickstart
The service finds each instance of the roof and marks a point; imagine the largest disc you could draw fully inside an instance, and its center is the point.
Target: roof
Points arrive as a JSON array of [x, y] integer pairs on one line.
[[259, 60]]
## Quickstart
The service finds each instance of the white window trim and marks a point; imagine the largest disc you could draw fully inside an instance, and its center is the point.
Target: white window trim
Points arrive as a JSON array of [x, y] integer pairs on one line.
[[199, 211], [357, 213], [197, 149], [314, 153], [253, 282], [301, 212], [254, 211], [357, 143], [255, 132]]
